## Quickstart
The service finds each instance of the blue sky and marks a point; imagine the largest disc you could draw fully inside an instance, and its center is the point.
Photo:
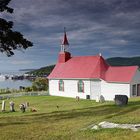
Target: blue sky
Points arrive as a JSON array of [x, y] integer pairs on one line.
[[110, 27]]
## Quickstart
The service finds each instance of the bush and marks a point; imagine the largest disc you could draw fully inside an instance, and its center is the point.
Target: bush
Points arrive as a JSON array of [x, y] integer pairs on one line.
[[28, 89], [40, 84]]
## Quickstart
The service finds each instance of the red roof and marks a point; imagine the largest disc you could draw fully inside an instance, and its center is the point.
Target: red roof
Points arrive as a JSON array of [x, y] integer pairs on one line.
[[92, 67], [120, 74]]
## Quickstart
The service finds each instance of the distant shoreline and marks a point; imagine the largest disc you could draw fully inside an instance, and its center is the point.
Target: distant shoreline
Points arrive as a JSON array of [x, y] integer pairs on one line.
[[27, 69]]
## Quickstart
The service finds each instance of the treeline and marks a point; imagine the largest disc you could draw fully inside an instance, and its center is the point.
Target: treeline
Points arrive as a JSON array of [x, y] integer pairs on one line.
[[114, 61], [44, 71], [124, 61]]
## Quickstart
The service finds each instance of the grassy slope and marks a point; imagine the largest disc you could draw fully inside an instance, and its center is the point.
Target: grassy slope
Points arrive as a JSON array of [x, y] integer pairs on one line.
[[66, 122]]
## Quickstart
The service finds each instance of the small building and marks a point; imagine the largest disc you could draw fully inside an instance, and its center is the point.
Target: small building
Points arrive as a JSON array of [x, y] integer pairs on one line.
[[91, 77]]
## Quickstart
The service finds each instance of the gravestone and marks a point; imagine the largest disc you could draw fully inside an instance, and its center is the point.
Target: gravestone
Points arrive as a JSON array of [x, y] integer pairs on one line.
[[27, 104], [121, 100], [12, 106], [102, 99], [3, 105], [22, 107]]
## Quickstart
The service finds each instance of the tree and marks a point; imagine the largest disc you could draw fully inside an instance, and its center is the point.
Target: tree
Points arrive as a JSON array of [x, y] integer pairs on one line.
[[40, 84], [10, 40]]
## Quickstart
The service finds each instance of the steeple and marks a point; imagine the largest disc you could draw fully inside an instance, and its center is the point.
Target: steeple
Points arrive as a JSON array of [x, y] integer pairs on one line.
[[65, 42], [64, 56]]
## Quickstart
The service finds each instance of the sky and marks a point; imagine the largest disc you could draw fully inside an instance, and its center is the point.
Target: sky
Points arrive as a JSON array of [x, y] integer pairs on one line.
[[109, 27]]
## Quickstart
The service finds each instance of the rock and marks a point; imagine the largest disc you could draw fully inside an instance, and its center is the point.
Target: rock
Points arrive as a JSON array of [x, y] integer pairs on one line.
[[107, 125], [96, 127], [133, 127], [123, 126]]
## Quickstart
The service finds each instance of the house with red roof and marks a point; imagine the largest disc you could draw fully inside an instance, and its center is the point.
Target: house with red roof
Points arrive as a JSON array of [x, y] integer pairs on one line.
[[91, 77]]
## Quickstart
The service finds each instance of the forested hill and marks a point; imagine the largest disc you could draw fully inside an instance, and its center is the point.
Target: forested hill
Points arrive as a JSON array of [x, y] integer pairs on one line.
[[124, 61], [42, 71], [115, 61]]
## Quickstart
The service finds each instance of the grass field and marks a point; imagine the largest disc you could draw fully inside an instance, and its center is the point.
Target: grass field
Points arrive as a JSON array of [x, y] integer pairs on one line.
[[67, 121]]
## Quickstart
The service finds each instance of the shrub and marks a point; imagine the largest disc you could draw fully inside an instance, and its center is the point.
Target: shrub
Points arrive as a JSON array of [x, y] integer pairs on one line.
[[40, 84]]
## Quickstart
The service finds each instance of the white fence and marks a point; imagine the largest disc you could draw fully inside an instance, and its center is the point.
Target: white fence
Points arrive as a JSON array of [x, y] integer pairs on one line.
[[12, 95]]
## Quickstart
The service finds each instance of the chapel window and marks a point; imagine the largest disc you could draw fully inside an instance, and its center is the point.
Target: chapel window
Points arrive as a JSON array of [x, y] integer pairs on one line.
[[61, 85], [80, 86]]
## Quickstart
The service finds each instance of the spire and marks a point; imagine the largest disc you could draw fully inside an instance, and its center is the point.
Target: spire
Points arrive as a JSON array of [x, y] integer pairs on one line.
[[65, 42]]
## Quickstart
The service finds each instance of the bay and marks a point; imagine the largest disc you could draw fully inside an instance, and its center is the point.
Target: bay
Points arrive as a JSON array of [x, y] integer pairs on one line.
[[13, 84]]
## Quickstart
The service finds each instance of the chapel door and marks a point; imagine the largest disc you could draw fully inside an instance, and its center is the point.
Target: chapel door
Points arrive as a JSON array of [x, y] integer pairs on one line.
[[95, 89], [138, 90]]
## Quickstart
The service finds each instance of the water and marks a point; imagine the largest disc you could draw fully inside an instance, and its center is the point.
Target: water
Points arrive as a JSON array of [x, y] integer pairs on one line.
[[13, 84]]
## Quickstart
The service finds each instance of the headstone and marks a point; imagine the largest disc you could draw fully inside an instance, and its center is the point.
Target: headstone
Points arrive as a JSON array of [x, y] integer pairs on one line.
[[121, 100], [102, 99], [77, 98], [3, 105], [27, 104], [12, 106], [22, 107]]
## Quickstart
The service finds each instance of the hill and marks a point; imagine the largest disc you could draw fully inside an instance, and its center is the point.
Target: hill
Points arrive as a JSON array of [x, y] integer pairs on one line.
[[124, 61], [42, 71], [114, 61]]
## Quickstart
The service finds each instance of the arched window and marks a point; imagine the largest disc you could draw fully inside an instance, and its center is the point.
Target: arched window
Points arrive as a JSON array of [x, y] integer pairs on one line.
[[80, 86], [61, 85]]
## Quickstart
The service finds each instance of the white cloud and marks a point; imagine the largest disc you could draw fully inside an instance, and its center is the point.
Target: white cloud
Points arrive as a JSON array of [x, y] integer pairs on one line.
[[99, 25]]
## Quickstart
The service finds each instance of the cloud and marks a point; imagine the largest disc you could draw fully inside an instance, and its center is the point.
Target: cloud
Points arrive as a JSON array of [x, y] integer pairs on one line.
[[93, 26], [21, 62]]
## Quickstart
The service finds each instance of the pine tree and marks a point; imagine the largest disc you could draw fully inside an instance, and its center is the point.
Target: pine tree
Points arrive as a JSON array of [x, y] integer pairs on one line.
[[10, 40]]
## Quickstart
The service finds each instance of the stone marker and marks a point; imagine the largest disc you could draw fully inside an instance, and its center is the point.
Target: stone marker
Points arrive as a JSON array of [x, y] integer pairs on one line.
[[3, 105], [77, 98], [133, 127], [12, 106], [22, 107], [102, 99], [121, 100], [27, 104]]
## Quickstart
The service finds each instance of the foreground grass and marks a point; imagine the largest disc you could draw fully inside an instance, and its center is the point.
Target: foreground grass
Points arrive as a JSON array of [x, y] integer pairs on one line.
[[66, 121]]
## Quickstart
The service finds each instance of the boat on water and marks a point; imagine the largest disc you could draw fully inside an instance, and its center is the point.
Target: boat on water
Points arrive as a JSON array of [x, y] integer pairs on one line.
[[2, 77]]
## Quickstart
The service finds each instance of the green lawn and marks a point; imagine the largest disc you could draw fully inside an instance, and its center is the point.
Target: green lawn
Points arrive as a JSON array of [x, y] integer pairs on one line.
[[67, 121]]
